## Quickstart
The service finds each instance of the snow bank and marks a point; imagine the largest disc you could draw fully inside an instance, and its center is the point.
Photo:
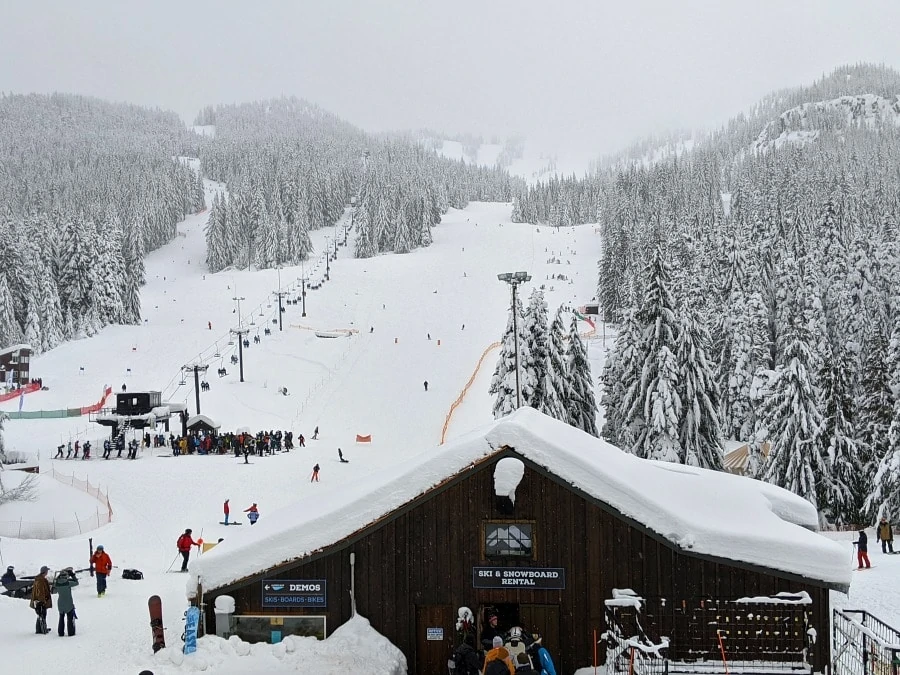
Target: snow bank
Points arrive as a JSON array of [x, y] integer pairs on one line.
[[706, 512], [355, 647]]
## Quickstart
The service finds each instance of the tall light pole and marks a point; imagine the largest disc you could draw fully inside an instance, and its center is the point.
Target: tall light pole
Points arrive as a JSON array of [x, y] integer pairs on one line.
[[514, 279], [280, 295]]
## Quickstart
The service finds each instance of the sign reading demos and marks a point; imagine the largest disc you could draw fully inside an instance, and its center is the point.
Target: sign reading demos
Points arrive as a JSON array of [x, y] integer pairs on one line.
[[294, 593], [535, 578]]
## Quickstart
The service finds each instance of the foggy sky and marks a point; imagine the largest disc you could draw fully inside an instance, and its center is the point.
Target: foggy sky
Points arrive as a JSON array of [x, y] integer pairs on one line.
[[593, 75]]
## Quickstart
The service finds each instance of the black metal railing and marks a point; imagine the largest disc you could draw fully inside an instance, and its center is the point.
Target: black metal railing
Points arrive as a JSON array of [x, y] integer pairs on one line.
[[862, 644]]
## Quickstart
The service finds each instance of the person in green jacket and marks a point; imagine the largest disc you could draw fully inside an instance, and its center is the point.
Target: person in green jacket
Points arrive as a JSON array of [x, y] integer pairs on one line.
[[65, 582]]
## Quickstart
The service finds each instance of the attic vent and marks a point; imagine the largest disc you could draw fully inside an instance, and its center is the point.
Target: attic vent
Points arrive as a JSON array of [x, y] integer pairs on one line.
[[508, 474]]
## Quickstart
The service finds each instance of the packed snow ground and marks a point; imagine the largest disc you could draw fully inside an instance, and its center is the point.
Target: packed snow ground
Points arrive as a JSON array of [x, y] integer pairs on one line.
[[367, 383]]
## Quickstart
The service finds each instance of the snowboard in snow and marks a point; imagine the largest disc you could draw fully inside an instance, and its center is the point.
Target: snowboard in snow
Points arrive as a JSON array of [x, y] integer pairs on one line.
[[863, 569], [222, 522], [156, 623], [191, 625]]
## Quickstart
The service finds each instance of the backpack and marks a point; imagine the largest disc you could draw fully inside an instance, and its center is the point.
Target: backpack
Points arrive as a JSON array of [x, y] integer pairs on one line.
[[460, 667], [132, 574]]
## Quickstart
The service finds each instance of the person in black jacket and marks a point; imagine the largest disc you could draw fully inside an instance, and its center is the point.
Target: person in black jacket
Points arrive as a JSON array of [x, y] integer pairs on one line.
[[862, 550], [9, 576], [466, 659]]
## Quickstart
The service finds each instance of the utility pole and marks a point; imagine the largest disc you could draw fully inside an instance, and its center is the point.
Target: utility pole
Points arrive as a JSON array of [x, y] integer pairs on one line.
[[197, 368], [514, 279], [240, 333], [239, 310]]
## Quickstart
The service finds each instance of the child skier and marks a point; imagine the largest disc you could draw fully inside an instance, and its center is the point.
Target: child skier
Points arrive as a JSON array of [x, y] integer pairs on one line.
[[252, 513], [862, 550]]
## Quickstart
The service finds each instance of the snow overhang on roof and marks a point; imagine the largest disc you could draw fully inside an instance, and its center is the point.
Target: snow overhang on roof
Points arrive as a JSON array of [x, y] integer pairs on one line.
[[705, 513], [15, 348], [198, 419]]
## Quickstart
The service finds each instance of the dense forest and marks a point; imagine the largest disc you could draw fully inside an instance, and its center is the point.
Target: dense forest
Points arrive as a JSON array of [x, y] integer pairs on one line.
[[291, 167], [754, 281], [87, 188]]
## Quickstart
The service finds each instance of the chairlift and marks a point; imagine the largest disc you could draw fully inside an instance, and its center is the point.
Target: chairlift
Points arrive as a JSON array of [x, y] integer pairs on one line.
[[231, 343], [252, 322], [261, 312], [268, 306], [182, 383]]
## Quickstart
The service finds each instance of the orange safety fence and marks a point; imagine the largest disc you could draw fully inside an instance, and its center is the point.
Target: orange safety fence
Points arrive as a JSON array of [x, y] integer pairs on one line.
[[363, 439], [465, 390], [28, 388], [471, 381], [87, 410]]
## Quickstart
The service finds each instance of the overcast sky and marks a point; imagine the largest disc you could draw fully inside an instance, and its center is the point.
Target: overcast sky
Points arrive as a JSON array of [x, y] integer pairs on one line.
[[593, 74]]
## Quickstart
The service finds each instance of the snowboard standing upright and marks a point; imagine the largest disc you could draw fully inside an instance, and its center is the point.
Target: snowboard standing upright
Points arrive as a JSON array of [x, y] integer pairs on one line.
[[156, 623], [191, 624]]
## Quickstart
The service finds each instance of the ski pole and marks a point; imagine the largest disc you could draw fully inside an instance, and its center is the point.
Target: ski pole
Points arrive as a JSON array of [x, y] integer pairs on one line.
[[173, 561]]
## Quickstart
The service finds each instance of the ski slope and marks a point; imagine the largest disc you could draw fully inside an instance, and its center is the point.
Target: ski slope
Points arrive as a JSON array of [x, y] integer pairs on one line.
[[370, 382]]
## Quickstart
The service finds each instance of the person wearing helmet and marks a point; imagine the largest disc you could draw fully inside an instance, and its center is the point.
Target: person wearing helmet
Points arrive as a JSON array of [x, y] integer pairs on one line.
[[102, 568]]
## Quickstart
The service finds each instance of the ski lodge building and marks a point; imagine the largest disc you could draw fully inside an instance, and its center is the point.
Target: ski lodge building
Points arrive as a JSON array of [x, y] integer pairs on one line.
[[553, 530]]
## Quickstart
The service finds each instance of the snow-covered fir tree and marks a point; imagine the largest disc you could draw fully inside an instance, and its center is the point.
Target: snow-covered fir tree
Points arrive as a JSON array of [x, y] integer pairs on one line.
[[503, 383], [537, 332], [581, 404], [557, 385]]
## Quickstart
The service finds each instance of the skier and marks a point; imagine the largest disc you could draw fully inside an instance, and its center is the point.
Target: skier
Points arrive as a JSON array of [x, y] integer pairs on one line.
[[885, 534], [107, 448], [429, 336], [341, 457], [69, 451], [226, 510], [65, 582], [426, 385], [209, 325], [862, 550], [77, 446], [315, 474], [315, 435], [184, 543], [86, 453], [9, 576], [102, 567], [246, 455], [301, 441], [41, 601], [59, 451], [252, 513]]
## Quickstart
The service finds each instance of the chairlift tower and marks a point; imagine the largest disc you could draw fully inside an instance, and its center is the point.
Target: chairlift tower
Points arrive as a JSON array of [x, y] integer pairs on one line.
[[197, 368], [240, 333], [514, 279]]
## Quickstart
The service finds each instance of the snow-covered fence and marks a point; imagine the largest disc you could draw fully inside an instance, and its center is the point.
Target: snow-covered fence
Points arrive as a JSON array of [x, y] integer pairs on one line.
[[628, 647], [862, 644], [57, 529]]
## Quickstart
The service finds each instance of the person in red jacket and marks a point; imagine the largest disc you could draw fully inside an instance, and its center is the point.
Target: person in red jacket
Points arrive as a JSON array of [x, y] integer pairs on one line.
[[252, 513], [227, 511], [185, 541], [102, 568]]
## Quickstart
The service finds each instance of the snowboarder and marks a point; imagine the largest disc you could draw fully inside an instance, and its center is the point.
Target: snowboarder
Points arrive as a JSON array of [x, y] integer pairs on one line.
[[315, 435], [209, 325], [341, 457], [301, 441], [9, 576], [862, 550], [65, 582], [41, 601], [426, 385], [184, 543], [315, 474], [885, 534], [371, 329], [252, 513], [226, 510], [102, 567], [429, 335]]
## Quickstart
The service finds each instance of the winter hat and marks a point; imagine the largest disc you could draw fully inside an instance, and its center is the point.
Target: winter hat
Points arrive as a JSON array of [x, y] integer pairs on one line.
[[522, 659], [497, 641], [188, 531], [45, 569], [99, 547], [10, 568]]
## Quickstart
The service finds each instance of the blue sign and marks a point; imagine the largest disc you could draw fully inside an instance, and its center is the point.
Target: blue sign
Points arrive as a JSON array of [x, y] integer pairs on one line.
[[294, 593]]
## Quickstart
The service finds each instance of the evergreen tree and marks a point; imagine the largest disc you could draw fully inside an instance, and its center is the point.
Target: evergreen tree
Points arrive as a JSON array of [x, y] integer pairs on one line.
[[794, 423], [10, 331], [556, 384], [503, 383], [581, 405], [700, 434], [537, 337], [621, 384]]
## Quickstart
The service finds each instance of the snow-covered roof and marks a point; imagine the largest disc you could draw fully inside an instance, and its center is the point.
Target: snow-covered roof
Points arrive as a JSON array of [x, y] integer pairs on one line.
[[15, 348], [699, 511], [202, 419]]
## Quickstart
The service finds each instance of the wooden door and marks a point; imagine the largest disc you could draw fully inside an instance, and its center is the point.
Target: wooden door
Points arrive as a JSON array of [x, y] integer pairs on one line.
[[434, 638], [543, 619]]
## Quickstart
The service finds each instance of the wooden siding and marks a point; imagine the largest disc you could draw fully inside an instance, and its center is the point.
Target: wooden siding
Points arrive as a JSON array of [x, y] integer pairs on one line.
[[423, 555]]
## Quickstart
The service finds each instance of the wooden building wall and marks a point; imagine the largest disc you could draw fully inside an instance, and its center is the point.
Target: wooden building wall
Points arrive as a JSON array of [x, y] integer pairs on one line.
[[422, 557]]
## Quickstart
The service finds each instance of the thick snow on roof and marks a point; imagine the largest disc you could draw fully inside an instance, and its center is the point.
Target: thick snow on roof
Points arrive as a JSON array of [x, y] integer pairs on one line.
[[705, 512], [208, 421]]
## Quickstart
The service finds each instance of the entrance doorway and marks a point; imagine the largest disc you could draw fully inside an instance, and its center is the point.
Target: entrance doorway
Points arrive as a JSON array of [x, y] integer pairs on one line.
[[435, 626], [541, 619]]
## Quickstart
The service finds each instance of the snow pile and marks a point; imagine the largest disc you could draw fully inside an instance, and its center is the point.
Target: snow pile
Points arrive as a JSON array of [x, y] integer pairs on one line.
[[355, 647], [803, 123], [708, 512]]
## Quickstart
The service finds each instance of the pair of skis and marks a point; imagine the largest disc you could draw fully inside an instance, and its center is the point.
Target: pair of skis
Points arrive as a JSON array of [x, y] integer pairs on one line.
[[191, 626]]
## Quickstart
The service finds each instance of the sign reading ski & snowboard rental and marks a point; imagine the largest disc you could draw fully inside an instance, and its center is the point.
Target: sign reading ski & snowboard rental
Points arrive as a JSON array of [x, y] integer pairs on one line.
[[294, 593], [535, 578]]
